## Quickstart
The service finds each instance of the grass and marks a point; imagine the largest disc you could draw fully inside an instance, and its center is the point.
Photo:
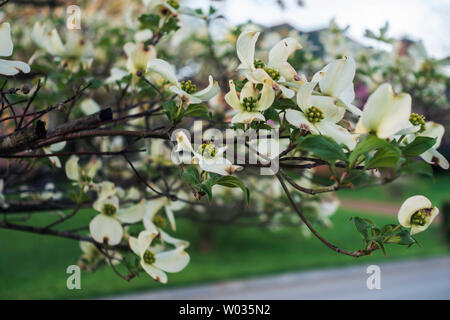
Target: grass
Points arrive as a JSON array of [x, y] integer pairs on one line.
[[34, 267], [437, 189]]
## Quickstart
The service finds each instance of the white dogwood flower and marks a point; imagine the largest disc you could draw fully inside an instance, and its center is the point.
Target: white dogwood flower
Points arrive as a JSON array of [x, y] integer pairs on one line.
[[319, 115], [185, 89], [385, 113], [9, 67], [433, 130], [418, 213], [208, 156], [153, 219], [138, 56], [277, 71], [106, 227], [76, 49], [82, 176], [337, 82], [248, 104], [154, 260]]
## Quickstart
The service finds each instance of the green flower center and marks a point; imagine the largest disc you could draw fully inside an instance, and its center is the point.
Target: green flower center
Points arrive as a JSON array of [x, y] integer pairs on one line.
[[149, 257], [159, 221], [249, 103], [259, 64], [208, 150], [274, 74], [108, 209], [314, 114], [420, 218], [417, 120], [174, 4], [188, 87]]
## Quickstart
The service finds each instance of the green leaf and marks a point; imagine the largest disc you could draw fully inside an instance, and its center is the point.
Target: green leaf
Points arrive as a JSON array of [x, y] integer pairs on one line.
[[190, 175], [197, 110], [385, 157], [418, 146], [324, 147], [234, 182], [365, 145], [149, 21], [271, 114], [402, 238], [170, 108], [362, 226], [419, 167]]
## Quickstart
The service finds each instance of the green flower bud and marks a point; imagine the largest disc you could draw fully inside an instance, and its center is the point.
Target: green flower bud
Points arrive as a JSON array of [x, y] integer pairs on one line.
[[188, 86], [416, 120], [249, 104], [314, 115], [149, 257]]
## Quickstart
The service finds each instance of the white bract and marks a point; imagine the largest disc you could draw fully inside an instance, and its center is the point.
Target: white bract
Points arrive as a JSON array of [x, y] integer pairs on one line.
[[153, 220], [251, 102], [185, 89], [319, 115], [154, 260], [208, 156], [277, 71], [432, 130], [418, 213], [75, 50], [106, 227], [138, 56], [385, 113], [82, 176], [9, 67], [337, 82]]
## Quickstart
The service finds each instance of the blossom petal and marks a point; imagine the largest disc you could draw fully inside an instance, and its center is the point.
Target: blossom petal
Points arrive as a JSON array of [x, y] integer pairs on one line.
[[11, 68], [338, 76], [231, 97], [282, 50], [132, 214], [145, 239], [245, 47], [173, 260], [174, 241], [134, 245], [106, 229], [163, 68], [298, 119], [186, 97], [247, 117], [72, 168], [432, 156], [209, 92], [267, 98], [327, 105], [248, 91], [338, 133], [434, 130], [7, 47], [155, 273]]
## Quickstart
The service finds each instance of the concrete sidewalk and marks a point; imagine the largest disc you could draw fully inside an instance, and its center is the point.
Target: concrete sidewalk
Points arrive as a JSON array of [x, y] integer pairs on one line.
[[417, 279]]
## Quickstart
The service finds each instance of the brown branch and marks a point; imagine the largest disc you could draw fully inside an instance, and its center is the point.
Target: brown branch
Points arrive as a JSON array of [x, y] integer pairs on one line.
[[23, 138], [355, 254]]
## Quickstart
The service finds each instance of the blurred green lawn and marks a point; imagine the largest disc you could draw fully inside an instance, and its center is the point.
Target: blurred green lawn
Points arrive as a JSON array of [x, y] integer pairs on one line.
[[34, 266], [437, 189]]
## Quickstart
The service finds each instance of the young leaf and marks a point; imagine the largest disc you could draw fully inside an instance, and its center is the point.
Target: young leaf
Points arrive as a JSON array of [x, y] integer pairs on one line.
[[365, 145], [323, 147], [418, 146], [233, 182], [197, 110]]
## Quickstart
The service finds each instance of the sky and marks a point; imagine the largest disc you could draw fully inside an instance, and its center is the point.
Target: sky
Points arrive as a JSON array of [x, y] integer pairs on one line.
[[428, 20]]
